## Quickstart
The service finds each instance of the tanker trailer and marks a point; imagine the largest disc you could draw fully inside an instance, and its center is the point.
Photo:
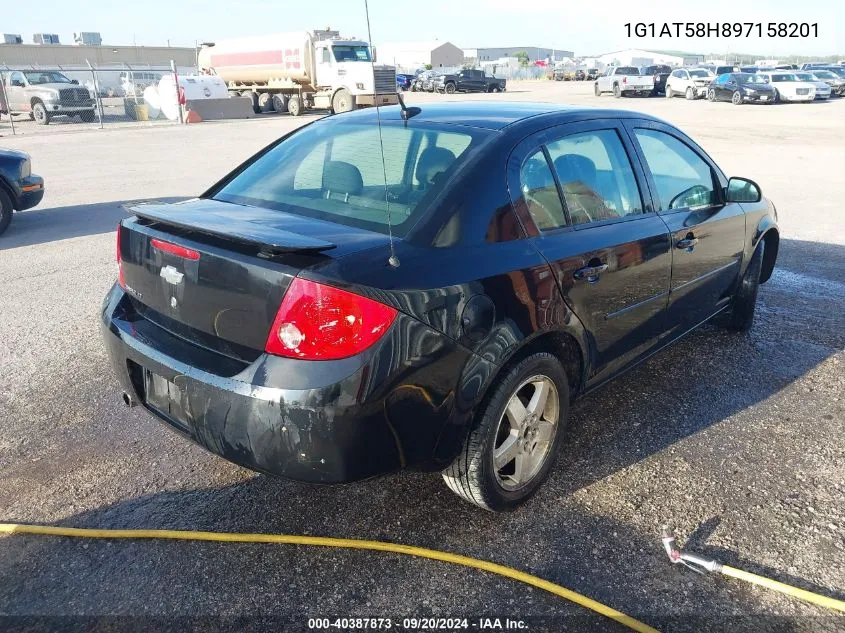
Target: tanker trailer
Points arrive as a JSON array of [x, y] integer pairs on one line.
[[295, 72]]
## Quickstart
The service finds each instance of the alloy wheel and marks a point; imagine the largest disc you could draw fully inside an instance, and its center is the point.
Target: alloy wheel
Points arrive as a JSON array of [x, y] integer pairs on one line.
[[526, 432]]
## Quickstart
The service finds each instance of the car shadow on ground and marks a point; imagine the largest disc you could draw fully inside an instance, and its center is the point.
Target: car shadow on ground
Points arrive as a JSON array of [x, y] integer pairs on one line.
[[42, 225], [697, 400]]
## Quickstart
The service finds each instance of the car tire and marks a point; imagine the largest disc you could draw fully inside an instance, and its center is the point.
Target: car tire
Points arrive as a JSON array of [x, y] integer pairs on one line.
[[295, 105], [668, 94], [253, 98], [777, 97], [617, 91], [474, 476], [449, 88], [689, 94], [342, 101], [736, 98], [596, 90], [5, 211], [741, 316], [40, 114], [711, 95]]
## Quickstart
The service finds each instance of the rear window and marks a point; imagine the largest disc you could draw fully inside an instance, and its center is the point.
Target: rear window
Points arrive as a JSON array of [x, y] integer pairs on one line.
[[627, 70], [335, 172]]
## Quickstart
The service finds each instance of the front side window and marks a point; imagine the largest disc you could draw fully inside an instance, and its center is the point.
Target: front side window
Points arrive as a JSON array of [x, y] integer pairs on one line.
[[683, 179], [16, 79], [539, 192], [336, 172], [595, 176]]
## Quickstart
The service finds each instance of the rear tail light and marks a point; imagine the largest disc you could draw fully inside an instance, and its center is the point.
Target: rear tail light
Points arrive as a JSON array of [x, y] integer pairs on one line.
[[120, 278], [175, 249], [319, 322], [624, 80]]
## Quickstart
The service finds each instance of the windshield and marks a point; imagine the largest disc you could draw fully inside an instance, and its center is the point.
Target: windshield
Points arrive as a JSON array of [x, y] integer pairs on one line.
[[334, 171], [351, 53], [46, 77], [747, 78], [824, 74], [780, 77], [806, 76], [700, 72]]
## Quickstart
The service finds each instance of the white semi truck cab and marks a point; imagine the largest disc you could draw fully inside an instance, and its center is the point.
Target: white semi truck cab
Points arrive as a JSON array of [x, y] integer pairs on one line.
[[297, 71]]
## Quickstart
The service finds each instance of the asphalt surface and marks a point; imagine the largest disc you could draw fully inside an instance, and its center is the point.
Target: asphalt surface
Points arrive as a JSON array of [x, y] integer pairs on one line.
[[734, 439]]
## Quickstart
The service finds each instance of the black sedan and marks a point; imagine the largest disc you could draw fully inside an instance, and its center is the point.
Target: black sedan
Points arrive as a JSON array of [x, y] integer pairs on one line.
[[330, 313], [580, 75], [19, 188], [739, 88]]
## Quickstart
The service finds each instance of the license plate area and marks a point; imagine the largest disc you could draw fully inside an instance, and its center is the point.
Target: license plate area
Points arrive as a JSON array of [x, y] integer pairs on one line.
[[166, 399]]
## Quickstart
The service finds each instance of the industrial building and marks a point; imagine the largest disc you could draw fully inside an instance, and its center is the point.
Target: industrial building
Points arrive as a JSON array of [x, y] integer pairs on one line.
[[534, 53], [638, 57], [420, 54], [47, 55]]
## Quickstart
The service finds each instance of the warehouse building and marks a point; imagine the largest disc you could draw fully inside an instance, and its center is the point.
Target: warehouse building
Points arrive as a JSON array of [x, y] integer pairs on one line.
[[413, 55], [534, 53], [46, 55], [638, 57]]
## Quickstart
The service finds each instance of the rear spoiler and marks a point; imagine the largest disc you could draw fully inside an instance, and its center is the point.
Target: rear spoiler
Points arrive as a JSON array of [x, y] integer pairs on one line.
[[229, 227]]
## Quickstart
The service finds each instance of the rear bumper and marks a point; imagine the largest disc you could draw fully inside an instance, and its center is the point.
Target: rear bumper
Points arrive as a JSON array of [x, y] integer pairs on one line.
[[382, 99], [319, 422]]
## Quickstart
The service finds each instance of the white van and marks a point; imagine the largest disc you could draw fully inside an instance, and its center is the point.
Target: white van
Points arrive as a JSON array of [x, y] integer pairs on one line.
[[133, 82]]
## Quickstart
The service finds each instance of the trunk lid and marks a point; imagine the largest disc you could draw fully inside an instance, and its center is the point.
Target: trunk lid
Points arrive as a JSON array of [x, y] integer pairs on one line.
[[215, 273]]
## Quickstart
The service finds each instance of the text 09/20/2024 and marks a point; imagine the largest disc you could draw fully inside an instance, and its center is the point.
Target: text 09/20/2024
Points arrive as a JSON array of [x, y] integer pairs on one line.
[[722, 29]]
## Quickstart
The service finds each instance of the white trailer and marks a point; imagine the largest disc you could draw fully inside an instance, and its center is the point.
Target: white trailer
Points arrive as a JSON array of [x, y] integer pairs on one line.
[[295, 71]]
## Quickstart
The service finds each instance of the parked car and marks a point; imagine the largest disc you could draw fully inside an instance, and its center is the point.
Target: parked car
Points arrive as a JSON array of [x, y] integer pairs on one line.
[[580, 75], [788, 87], [832, 79], [740, 88], [469, 80], [813, 65], [749, 69], [20, 189], [403, 82], [722, 70], [281, 322], [423, 82], [823, 91], [689, 82], [660, 73], [623, 81], [592, 74], [44, 94]]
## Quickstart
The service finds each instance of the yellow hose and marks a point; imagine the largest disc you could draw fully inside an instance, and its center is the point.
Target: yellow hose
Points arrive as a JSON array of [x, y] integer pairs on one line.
[[322, 541], [809, 596]]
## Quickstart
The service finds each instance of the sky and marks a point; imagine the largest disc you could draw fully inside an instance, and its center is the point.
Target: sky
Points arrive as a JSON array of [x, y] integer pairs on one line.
[[585, 27]]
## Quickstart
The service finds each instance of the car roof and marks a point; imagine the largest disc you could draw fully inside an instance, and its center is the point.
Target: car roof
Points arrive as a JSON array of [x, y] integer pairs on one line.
[[492, 115]]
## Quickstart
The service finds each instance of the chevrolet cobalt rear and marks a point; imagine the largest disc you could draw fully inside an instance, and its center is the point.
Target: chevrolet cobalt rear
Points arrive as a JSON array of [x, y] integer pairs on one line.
[[429, 292]]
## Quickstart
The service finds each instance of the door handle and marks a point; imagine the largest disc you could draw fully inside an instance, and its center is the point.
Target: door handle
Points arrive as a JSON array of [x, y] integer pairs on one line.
[[590, 273], [687, 244]]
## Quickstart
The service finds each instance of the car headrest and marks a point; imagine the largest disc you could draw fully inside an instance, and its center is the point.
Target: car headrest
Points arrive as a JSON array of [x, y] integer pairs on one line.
[[433, 161], [575, 168], [342, 177]]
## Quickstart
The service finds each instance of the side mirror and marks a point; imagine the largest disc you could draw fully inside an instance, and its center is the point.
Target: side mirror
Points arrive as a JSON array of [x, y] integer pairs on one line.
[[743, 190]]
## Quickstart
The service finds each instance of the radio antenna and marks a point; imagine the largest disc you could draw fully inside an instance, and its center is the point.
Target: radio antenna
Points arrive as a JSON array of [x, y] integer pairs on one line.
[[392, 260]]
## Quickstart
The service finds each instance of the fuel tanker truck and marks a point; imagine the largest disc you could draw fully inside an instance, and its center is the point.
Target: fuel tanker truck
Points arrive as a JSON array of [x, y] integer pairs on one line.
[[293, 72]]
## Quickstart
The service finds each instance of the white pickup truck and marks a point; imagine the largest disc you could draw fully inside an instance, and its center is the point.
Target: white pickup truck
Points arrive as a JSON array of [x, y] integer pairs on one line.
[[622, 80]]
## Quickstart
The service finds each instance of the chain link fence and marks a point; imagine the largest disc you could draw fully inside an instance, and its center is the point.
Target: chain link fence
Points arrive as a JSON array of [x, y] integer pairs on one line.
[[35, 98]]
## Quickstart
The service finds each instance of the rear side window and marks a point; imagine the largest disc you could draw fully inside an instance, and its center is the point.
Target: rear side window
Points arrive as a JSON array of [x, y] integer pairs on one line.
[[336, 172], [596, 176], [683, 179], [540, 194]]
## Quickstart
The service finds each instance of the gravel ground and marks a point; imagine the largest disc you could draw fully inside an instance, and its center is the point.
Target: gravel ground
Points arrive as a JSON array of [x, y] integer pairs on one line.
[[736, 440]]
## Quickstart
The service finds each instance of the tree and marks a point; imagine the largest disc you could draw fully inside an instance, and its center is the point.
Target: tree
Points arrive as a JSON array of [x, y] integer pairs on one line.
[[522, 56], [428, 66]]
